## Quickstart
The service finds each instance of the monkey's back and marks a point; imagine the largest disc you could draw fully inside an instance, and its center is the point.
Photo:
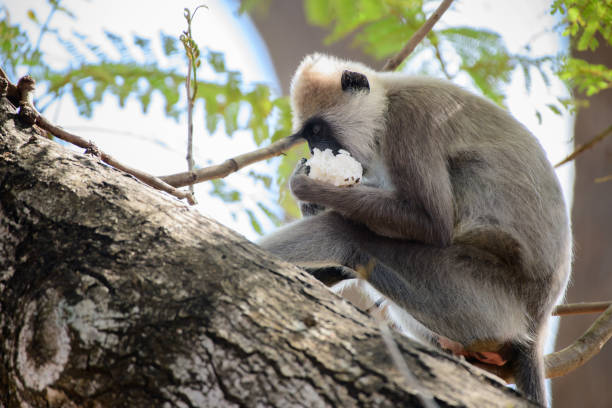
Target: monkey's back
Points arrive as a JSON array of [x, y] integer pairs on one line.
[[507, 199]]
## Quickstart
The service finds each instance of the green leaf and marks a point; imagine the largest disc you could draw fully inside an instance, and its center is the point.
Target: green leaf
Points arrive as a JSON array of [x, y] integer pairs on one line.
[[119, 45], [264, 178], [273, 217], [217, 61], [318, 12], [32, 16], [230, 115], [573, 14], [538, 116], [169, 44], [221, 190], [145, 46], [254, 223], [554, 108]]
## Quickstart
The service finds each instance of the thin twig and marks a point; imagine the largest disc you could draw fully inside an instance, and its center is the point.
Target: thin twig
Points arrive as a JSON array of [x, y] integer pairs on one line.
[[586, 146], [232, 165], [191, 83], [604, 179], [28, 113], [580, 308], [436, 44], [190, 103], [395, 61]]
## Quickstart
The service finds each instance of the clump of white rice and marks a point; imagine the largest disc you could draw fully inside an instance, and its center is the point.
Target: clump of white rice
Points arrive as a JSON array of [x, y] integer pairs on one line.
[[339, 170]]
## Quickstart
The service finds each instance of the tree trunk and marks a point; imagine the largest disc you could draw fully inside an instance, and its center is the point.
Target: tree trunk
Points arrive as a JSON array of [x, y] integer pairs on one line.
[[115, 295], [589, 386]]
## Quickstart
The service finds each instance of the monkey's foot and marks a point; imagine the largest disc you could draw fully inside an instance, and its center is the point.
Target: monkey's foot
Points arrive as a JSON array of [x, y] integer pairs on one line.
[[487, 357]]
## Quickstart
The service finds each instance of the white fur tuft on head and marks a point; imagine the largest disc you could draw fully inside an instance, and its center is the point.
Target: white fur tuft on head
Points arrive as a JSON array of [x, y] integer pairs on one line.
[[356, 116]]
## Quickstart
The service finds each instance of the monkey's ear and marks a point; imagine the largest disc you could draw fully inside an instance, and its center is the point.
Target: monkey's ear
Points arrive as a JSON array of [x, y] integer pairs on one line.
[[354, 82]]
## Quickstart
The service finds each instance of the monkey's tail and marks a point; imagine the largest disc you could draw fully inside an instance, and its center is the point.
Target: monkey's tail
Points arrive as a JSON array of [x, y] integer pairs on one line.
[[529, 371]]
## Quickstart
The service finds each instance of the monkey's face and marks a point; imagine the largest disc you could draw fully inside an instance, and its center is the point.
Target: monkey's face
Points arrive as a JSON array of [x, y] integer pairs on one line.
[[320, 134], [338, 104]]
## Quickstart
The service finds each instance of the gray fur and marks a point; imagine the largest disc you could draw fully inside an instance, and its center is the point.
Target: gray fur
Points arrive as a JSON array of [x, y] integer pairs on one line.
[[459, 208]]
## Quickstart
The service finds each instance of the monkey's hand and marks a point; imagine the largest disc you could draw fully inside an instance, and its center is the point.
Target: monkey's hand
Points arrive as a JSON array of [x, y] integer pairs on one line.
[[300, 184], [307, 208], [301, 169]]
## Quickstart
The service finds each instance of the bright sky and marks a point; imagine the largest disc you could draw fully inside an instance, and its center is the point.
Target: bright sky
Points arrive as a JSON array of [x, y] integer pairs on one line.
[[156, 144]]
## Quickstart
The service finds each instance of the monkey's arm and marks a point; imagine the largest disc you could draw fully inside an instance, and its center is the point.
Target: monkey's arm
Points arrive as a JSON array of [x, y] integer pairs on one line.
[[382, 211]]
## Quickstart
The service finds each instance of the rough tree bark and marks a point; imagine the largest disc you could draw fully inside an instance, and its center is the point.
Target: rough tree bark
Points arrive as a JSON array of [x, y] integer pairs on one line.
[[115, 295]]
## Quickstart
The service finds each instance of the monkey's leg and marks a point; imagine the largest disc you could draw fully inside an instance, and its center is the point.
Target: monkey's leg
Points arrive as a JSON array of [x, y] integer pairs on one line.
[[328, 273], [320, 241], [467, 295]]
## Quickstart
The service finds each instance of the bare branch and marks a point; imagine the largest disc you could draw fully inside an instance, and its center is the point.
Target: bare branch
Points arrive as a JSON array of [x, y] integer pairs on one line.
[[190, 104], [580, 308], [232, 165], [604, 179], [192, 53], [29, 114], [583, 349], [586, 146], [395, 61]]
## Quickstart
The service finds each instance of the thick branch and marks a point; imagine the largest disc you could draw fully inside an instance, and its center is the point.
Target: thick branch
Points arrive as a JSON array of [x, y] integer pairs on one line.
[[395, 61], [586, 146], [231, 165]]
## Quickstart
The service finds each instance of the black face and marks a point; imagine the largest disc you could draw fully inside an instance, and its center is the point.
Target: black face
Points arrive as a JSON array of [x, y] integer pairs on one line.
[[318, 133]]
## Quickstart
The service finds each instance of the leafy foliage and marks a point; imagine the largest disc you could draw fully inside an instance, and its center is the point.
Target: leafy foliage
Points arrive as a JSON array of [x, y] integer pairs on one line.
[[584, 19], [586, 22], [15, 47], [381, 29], [378, 26], [130, 69], [586, 77]]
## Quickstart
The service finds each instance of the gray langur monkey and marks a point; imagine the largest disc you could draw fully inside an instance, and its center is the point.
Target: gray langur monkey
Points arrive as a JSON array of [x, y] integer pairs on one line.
[[459, 213]]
